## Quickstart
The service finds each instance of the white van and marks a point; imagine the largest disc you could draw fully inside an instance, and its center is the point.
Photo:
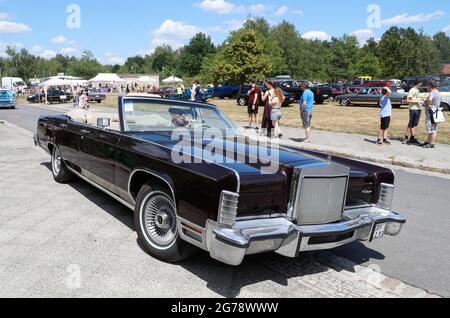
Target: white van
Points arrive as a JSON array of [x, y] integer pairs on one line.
[[15, 84]]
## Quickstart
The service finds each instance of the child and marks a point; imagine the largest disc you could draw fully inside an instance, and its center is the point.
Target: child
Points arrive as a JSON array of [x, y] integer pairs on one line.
[[385, 113]]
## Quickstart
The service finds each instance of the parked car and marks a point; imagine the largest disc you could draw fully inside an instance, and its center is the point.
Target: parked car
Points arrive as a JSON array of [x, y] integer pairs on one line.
[[226, 90], [242, 99], [321, 92], [163, 91], [95, 95], [7, 99], [336, 90], [408, 82], [53, 96], [371, 96], [310, 202], [187, 95]]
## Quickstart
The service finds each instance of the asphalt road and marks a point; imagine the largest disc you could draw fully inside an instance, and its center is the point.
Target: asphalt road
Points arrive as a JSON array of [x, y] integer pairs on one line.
[[420, 256]]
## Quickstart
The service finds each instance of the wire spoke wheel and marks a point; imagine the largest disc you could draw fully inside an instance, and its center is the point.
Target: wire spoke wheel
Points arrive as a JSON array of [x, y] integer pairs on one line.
[[160, 220], [56, 161]]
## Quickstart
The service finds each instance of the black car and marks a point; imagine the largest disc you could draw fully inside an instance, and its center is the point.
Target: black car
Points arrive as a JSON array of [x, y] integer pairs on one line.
[[95, 95], [242, 100], [183, 199], [53, 96], [408, 82], [321, 92]]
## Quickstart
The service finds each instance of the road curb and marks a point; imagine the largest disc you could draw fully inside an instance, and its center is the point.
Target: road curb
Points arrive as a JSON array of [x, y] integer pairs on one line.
[[392, 162]]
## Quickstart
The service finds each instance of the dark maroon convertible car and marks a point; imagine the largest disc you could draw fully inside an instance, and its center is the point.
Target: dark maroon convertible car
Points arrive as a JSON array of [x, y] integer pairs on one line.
[[220, 201]]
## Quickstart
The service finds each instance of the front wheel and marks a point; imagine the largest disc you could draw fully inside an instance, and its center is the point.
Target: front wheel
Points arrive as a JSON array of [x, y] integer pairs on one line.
[[59, 169], [242, 101], [155, 219]]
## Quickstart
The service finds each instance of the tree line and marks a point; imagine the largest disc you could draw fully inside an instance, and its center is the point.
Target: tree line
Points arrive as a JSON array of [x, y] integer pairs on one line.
[[259, 50]]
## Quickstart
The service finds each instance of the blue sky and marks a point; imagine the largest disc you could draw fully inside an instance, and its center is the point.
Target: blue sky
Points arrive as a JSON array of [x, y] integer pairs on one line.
[[114, 30]]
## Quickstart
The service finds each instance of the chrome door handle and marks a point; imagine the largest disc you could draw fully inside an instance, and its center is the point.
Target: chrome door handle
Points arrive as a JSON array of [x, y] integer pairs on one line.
[[85, 132]]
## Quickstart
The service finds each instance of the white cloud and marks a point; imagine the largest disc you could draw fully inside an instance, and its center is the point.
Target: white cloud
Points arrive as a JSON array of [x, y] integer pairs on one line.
[[7, 27], [235, 24], [37, 49], [217, 6], [113, 59], [3, 47], [59, 40], [411, 19], [5, 16], [258, 9], [47, 54], [69, 50], [316, 35], [174, 33], [298, 12], [446, 30], [282, 11], [363, 35]]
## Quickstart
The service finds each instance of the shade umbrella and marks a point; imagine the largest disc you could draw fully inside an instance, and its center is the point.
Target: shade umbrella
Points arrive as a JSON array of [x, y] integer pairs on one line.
[[172, 80]]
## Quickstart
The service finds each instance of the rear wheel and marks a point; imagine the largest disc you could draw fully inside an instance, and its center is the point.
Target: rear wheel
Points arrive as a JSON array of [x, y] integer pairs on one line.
[[445, 106], [345, 102], [59, 169], [155, 219]]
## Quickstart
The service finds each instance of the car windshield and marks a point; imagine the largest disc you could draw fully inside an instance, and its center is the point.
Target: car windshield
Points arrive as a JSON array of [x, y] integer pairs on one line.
[[6, 94], [146, 115]]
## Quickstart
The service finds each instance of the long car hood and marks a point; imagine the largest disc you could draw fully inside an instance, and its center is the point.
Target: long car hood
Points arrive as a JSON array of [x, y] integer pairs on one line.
[[237, 155]]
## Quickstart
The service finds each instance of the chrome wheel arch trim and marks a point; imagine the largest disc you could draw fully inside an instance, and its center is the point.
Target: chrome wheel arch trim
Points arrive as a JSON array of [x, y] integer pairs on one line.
[[154, 174]]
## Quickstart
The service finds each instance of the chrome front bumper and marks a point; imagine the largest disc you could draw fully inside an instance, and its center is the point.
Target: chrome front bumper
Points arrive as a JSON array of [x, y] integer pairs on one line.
[[231, 245]]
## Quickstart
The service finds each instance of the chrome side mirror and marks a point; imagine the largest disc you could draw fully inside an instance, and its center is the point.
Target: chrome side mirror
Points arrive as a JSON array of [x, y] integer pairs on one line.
[[103, 122]]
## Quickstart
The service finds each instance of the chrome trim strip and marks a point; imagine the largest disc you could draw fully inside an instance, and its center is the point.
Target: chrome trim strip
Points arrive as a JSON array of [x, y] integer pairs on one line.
[[128, 205], [153, 174]]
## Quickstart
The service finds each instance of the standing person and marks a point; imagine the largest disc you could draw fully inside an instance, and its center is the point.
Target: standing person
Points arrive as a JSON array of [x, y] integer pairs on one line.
[[276, 102], [307, 109], [253, 104], [432, 106], [83, 101], [198, 95], [415, 112], [385, 114], [267, 121], [180, 91], [193, 89]]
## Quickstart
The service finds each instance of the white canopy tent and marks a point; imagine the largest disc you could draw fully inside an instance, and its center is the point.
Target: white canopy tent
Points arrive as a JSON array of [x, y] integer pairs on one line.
[[54, 82], [172, 80], [107, 78]]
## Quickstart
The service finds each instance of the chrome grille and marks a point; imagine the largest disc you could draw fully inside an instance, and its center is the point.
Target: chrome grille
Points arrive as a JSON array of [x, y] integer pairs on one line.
[[320, 195], [228, 207]]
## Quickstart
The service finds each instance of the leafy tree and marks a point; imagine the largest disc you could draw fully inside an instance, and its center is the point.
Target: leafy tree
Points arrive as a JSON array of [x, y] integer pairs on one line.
[[192, 55], [242, 58], [342, 57], [289, 41], [366, 64], [163, 60], [442, 42], [86, 67], [404, 52], [271, 48]]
